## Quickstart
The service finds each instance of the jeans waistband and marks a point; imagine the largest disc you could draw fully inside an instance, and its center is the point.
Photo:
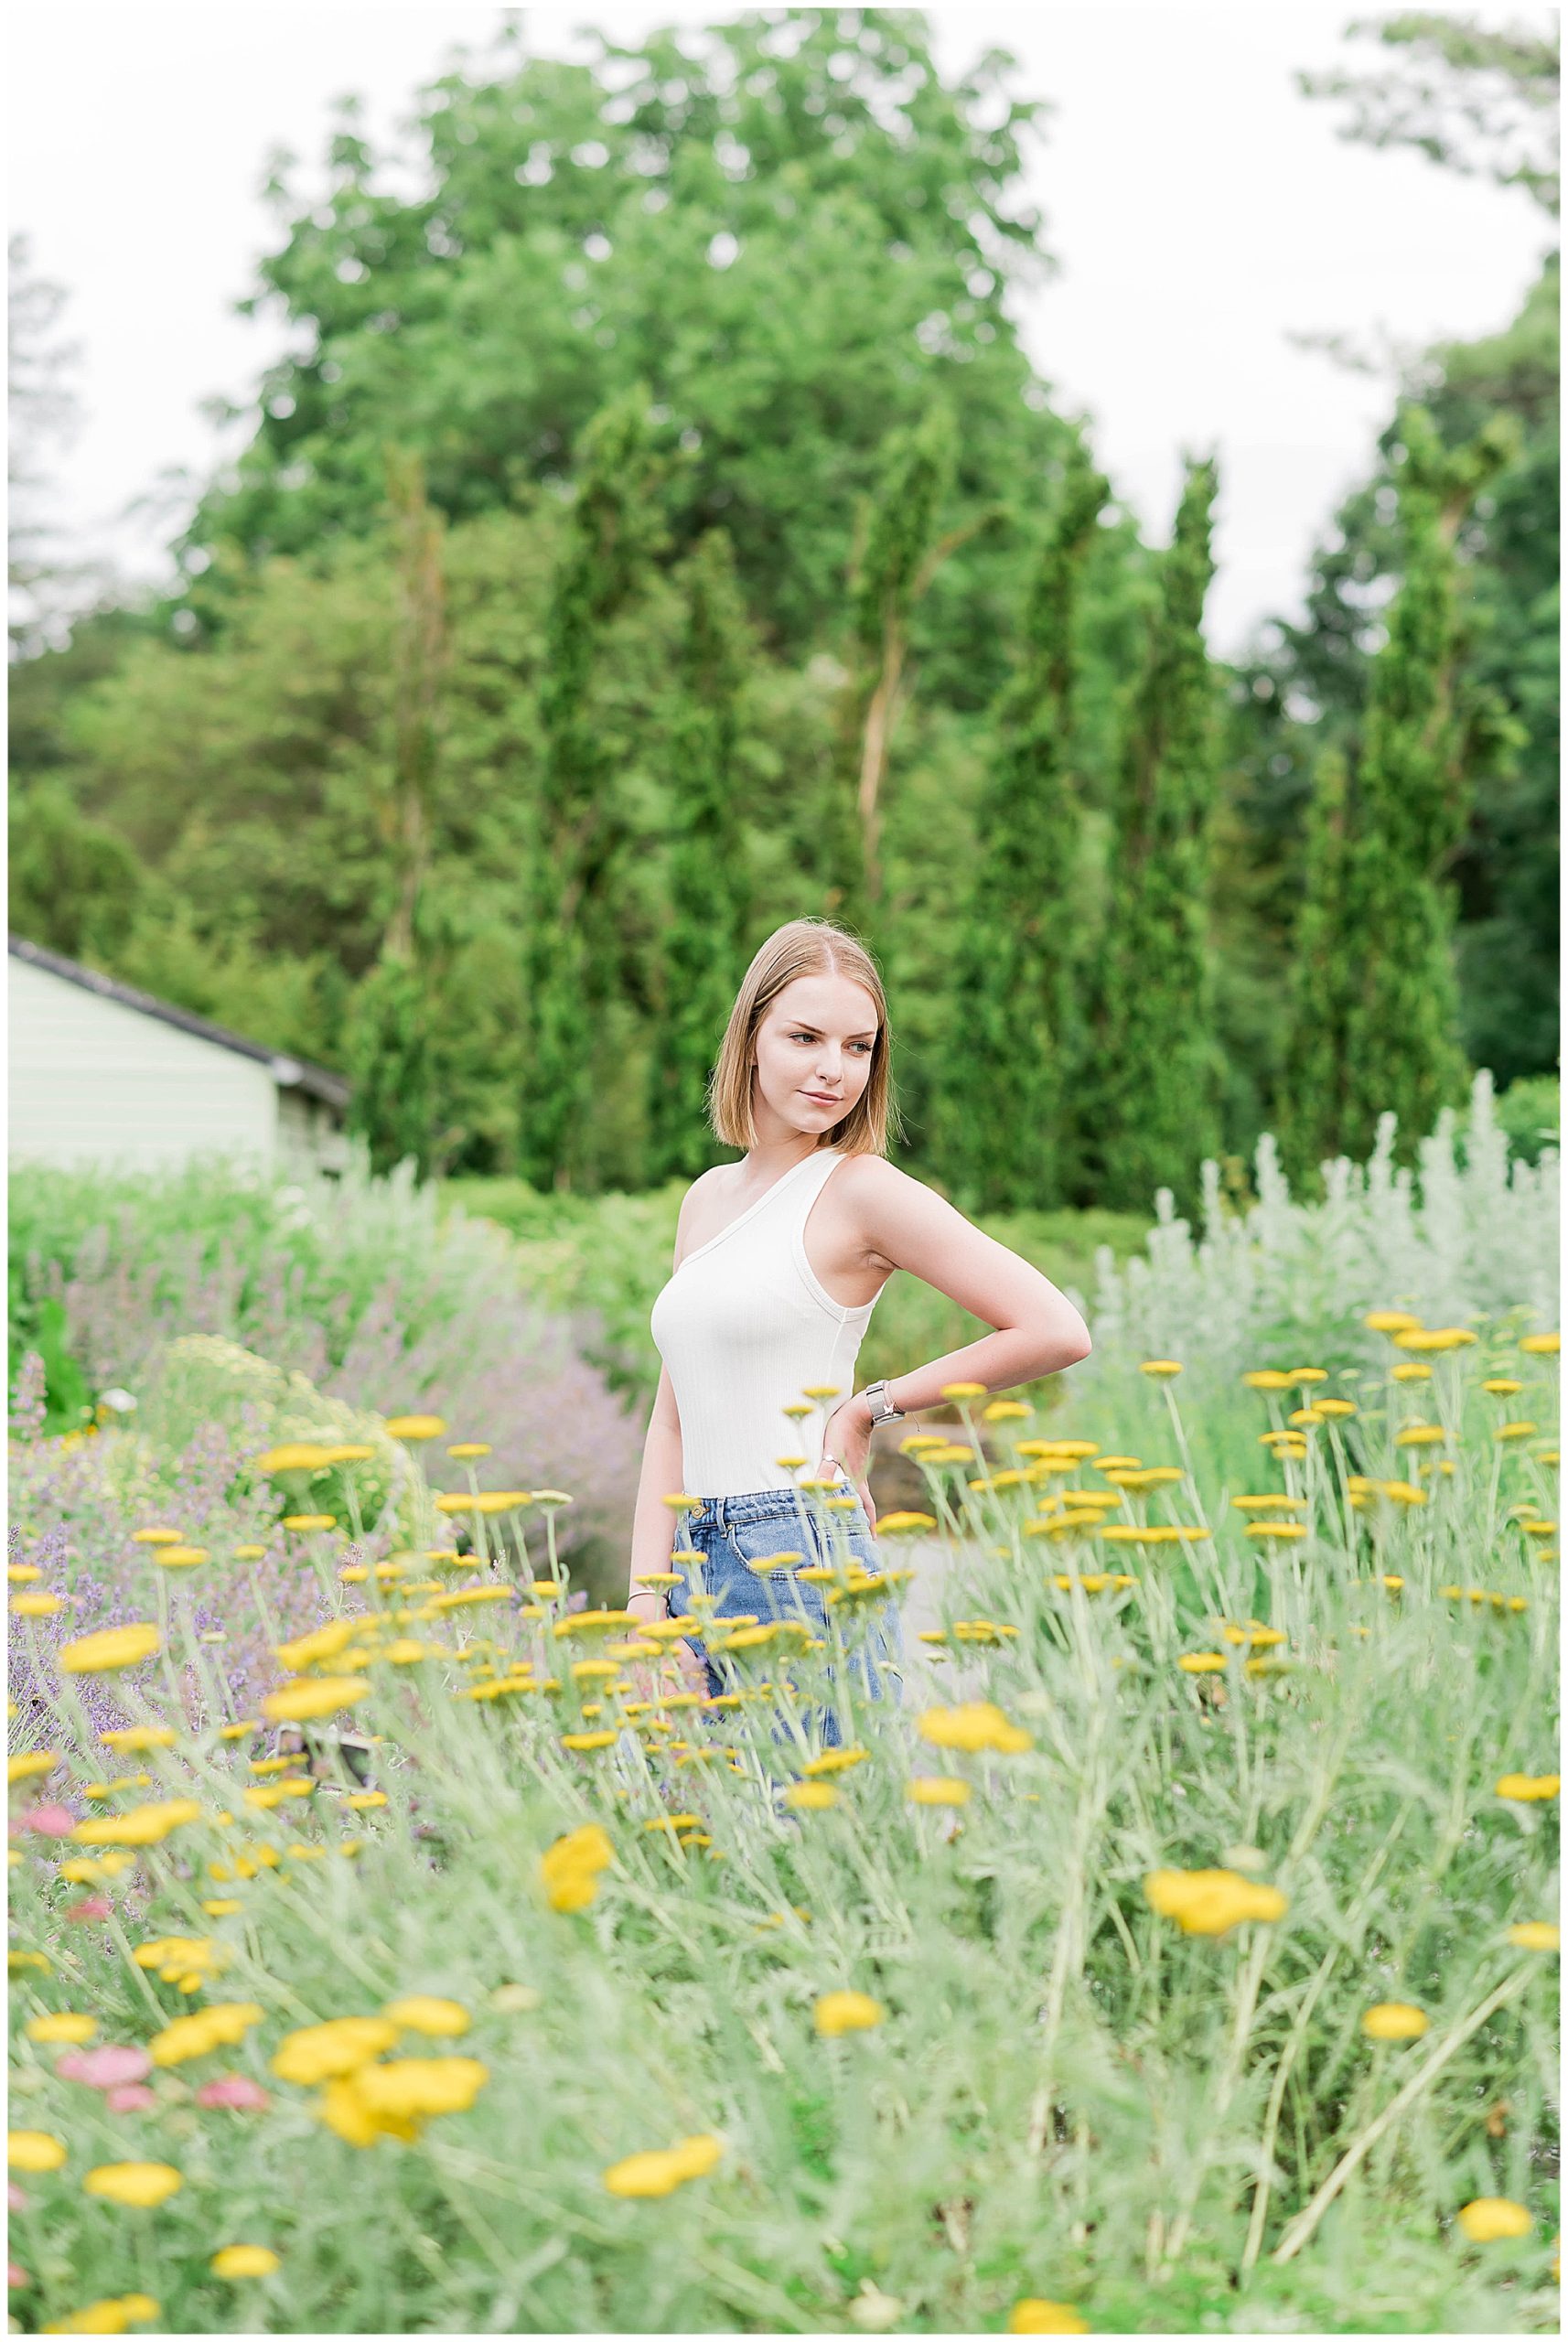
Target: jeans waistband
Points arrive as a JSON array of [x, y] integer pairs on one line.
[[756, 1504]]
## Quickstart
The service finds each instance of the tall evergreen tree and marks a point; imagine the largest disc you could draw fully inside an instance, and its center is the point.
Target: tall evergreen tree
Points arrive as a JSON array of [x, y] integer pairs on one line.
[[389, 1036], [419, 657], [896, 562], [703, 958], [1149, 1087], [1319, 979], [1001, 1133], [388, 1048], [1386, 933], [569, 945]]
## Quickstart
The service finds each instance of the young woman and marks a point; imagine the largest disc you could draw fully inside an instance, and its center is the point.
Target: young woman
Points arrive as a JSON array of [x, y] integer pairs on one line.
[[778, 1262]]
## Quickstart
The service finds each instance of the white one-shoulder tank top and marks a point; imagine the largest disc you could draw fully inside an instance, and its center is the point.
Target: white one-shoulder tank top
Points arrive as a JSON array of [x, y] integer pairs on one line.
[[743, 1328]]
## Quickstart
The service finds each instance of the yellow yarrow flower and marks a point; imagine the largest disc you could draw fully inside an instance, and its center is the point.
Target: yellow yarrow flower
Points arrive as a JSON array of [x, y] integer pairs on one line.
[[836, 2012], [139, 2185], [139, 1825], [111, 2316], [934, 1788], [294, 1456], [62, 2024], [221, 2027], [1535, 1935], [424, 2012], [569, 1870], [322, 1642], [1528, 1789], [319, 2052], [1491, 2218], [1394, 2021], [1210, 1902], [268, 1795], [661, 2171], [973, 1727], [413, 2089], [34, 2150], [1036, 2317], [237, 2260], [313, 1696]]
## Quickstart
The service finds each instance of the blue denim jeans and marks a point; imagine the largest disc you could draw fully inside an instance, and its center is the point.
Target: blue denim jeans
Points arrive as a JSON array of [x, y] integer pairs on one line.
[[732, 1532]]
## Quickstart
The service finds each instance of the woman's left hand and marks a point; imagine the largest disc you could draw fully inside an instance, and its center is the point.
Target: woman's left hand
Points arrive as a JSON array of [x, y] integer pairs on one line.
[[846, 1441]]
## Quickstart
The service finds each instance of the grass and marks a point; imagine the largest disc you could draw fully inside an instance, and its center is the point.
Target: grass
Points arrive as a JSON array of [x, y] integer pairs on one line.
[[1066, 2093]]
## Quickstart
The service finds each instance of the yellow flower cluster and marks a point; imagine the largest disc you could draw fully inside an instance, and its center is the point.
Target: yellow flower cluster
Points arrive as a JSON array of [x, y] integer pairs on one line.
[[570, 1869], [1212, 1902], [660, 2171]]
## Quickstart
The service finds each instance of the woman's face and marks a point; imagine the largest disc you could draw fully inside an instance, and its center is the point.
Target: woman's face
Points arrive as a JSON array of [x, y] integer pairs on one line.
[[814, 1050]]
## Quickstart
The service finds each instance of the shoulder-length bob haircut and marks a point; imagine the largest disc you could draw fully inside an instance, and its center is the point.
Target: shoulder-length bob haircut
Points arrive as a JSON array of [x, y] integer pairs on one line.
[[803, 947]]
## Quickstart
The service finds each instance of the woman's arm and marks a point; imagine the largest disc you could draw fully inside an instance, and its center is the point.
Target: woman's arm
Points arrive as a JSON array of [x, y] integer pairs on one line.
[[1038, 1331], [654, 1526], [653, 1523], [907, 1225]]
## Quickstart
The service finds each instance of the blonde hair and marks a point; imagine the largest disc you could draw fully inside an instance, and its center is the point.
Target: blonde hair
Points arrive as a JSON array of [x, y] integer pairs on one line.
[[803, 947]]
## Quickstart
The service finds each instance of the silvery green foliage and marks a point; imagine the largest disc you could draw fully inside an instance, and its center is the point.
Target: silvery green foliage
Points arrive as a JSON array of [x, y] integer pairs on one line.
[[1472, 1237]]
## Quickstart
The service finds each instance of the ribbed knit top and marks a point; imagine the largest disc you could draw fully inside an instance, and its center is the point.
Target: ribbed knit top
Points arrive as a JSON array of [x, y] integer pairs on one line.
[[744, 1326]]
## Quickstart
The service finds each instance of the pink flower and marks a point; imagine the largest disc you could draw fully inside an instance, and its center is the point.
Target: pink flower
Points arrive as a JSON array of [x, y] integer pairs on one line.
[[91, 1907], [109, 2067], [49, 1820], [15, 2276], [130, 2098], [234, 2090], [16, 2196]]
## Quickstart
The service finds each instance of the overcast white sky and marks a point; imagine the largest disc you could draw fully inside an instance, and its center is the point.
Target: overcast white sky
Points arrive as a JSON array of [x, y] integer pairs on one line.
[[1201, 211]]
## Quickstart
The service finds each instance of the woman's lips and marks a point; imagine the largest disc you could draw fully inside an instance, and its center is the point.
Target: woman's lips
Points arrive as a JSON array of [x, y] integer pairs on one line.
[[818, 1100]]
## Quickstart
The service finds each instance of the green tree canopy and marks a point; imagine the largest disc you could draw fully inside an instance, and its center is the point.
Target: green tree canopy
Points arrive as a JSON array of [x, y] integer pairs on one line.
[[788, 226]]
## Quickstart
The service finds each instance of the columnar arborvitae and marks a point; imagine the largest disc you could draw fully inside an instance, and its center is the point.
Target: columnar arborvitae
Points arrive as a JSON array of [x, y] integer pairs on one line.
[[1149, 1089], [389, 1026], [567, 901], [1378, 917], [1001, 1127], [1320, 978], [701, 958], [388, 1049], [895, 564]]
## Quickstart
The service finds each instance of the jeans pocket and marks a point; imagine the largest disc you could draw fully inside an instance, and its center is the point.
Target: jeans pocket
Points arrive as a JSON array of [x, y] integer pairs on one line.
[[776, 1542]]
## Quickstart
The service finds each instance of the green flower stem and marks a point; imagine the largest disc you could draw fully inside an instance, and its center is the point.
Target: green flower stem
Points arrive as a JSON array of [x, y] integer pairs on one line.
[[1304, 2225]]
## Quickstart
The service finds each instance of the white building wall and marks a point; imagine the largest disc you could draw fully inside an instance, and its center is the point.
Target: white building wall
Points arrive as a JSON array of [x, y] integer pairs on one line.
[[94, 1082]]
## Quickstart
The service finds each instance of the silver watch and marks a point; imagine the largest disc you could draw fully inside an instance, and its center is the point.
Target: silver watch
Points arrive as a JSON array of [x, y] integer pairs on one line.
[[883, 1411]]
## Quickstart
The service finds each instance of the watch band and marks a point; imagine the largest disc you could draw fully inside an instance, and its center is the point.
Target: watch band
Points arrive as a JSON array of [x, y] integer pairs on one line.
[[880, 1401]]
